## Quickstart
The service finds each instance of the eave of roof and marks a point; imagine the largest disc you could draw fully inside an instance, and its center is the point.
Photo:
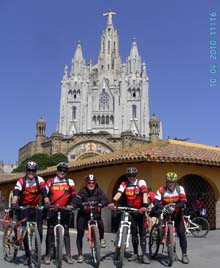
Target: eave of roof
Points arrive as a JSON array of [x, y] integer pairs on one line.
[[162, 151]]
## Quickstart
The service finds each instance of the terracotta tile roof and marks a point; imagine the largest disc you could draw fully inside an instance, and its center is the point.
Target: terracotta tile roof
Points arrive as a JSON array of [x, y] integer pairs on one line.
[[10, 177], [162, 151]]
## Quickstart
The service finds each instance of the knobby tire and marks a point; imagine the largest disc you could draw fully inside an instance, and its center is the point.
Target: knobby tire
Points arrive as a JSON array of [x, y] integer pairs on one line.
[[35, 247], [154, 241], [96, 255], [170, 245], [121, 250], [59, 246], [203, 227], [10, 249]]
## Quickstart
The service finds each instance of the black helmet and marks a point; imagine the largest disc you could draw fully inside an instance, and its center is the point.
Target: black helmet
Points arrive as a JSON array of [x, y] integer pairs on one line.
[[132, 171], [31, 165], [62, 166], [90, 177]]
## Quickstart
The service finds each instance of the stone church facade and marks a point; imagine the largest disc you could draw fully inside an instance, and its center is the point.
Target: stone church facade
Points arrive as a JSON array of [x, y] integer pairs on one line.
[[104, 107]]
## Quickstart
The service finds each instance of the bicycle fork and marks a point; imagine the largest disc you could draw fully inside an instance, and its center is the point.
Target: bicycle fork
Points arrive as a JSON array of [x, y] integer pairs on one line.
[[124, 224], [56, 227]]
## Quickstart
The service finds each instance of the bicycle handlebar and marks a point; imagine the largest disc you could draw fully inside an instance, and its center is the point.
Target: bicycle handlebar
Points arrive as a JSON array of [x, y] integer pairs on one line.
[[59, 208], [129, 209], [90, 203]]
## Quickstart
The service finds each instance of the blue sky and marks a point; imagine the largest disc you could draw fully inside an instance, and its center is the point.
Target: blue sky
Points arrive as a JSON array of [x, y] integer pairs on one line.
[[39, 37]]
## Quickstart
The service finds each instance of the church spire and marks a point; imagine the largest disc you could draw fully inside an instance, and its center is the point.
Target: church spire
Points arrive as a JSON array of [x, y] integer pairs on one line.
[[78, 61], [109, 61], [134, 60]]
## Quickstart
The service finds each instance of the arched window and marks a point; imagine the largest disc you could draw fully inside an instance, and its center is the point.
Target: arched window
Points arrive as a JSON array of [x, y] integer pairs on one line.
[[103, 120], [111, 119], [104, 101], [134, 111], [73, 112], [107, 120]]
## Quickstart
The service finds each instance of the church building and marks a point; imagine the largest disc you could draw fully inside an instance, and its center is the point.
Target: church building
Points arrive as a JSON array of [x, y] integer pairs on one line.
[[104, 107]]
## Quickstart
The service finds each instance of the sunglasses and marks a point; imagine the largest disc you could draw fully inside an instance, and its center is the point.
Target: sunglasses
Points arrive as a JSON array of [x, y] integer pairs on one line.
[[62, 170], [91, 182], [132, 176], [31, 170]]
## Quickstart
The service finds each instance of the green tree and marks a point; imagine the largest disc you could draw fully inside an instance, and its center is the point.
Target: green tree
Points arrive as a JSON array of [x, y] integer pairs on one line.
[[43, 160]]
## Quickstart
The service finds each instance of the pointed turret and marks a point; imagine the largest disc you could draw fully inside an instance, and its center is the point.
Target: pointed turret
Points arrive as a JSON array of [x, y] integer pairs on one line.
[[134, 60], [78, 61]]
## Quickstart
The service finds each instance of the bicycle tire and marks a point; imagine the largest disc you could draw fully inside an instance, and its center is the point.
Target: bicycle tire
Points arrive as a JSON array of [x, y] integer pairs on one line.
[[121, 250], [170, 245], [154, 241], [96, 254], [203, 227], [35, 247], [59, 247], [10, 249]]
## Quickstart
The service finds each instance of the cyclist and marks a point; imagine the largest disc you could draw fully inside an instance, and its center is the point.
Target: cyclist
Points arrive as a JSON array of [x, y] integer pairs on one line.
[[27, 192], [91, 192], [199, 206], [61, 191], [174, 193], [136, 197]]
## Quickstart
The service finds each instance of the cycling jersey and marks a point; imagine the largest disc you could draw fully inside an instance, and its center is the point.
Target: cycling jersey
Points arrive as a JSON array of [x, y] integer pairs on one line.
[[134, 192], [166, 196], [60, 191], [30, 194]]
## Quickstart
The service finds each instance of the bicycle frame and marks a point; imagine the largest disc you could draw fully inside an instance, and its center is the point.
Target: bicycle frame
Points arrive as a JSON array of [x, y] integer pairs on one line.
[[91, 222], [189, 224]]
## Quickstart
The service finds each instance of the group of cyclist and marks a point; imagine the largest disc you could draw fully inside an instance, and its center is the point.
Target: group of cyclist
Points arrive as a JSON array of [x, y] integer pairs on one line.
[[61, 191]]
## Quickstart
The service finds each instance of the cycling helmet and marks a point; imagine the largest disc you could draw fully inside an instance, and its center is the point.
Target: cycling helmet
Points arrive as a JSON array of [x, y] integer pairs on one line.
[[62, 166], [171, 176], [31, 165], [132, 171], [90, 177]]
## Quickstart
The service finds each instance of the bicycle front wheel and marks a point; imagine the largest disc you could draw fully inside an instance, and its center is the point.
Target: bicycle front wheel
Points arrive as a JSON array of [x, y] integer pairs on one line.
[[10, 249], [121, 249], [34, 244], [170, 245], [96, 255], [154, 240], [199, 227], [59, 246]]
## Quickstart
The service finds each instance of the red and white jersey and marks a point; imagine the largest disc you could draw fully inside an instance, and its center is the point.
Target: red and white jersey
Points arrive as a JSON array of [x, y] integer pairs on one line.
[[166, 196], [134, 192], [30, 194], [57, 187]]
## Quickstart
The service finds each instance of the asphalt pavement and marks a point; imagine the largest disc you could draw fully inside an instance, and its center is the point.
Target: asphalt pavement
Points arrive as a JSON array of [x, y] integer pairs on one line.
[[202, 252]]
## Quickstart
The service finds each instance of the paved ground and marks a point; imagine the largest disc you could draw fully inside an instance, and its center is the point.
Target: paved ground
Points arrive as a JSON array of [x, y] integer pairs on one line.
[[203, 253]]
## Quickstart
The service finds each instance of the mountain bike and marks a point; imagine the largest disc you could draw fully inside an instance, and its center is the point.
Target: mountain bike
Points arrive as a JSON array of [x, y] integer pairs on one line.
[[15, 233], [58, 242], [198, 226], [93, 233], [163, 233], [123, 234]]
